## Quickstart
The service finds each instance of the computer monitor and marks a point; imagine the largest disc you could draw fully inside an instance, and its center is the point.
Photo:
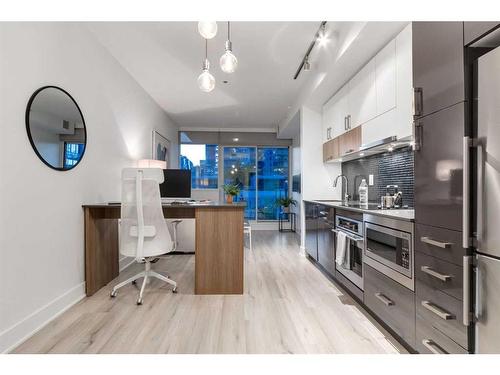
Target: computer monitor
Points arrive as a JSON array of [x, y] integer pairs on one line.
[[177, 183]]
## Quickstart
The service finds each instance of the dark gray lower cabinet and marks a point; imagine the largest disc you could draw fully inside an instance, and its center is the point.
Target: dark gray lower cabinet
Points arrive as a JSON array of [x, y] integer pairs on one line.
[[442, 312], [439, 290], [441, 243], [440, 275], [311, 221], [326, 257], [438, 168], [391, 302], [431, 341]]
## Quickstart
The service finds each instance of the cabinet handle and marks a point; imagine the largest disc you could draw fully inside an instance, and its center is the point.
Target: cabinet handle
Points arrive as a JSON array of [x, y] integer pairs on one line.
[[348, 122], [429, 271], [467, 143], [418, 135], [430, 241], [437, 310], [386, 301], [345, 123], [466, 291], [349, 151], [433, 347], [418, 101]]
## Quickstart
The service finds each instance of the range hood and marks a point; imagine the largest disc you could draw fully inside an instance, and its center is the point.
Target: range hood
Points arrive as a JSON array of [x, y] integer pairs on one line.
[[381, 146]]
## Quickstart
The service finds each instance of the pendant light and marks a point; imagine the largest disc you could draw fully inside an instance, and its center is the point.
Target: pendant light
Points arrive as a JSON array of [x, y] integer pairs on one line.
[[206, 81], [207, 29], [228, 62]]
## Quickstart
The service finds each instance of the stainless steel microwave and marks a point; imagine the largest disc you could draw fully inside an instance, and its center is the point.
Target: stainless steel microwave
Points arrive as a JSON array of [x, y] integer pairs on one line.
[[389, 248]]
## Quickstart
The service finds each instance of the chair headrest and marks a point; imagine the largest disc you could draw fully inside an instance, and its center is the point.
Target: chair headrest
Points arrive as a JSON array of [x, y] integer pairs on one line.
[[155, 174]]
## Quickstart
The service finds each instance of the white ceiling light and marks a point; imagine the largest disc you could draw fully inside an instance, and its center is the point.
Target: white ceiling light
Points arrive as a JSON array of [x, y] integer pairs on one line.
[[228, 62], [322, 35], [307, 65], [206, 81], [207, 29]]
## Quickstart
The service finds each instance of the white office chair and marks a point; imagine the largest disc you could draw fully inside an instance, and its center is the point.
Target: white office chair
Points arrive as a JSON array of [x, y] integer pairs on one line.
[[144, 233]]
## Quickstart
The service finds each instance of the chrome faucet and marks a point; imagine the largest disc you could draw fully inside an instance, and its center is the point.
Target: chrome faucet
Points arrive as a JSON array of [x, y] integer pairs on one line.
[[346, 195]]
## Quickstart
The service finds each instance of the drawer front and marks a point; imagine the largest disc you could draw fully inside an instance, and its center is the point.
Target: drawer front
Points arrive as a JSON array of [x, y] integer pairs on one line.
[[441, 243], [431, 341], [391, 302], [438, 274], [441, 311]]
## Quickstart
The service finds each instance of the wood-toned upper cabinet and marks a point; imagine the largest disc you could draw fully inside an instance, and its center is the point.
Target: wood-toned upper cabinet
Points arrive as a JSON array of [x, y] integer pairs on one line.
[[331, 150], [385, 78], [350, 141], [363, 96], [438, 65]]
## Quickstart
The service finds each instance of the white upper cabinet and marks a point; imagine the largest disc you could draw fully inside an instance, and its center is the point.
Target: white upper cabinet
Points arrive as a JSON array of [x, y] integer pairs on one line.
[[335, 112], [363, 96], [378, 97], [385, 78]]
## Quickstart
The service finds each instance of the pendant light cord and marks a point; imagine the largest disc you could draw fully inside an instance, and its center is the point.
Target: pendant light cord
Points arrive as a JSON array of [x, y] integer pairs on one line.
[[228, 31], [206, 49]]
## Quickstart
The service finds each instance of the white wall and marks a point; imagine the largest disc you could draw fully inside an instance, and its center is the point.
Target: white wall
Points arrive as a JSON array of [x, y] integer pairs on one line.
[[317, 177], [296, 169], [41, 219]]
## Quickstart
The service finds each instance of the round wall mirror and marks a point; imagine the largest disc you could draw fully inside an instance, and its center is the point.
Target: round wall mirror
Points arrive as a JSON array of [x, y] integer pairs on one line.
[[56, 128]]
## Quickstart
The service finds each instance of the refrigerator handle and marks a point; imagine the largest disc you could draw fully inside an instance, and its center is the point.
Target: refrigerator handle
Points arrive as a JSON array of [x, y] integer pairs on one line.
[[467, 267], [466, 193], [418, 100]]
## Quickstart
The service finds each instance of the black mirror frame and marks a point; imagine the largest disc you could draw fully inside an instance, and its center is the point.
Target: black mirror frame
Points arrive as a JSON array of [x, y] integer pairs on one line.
[[28, 130]]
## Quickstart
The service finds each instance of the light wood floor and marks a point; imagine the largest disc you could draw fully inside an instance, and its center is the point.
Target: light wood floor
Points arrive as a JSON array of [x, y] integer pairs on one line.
[[289, 306]]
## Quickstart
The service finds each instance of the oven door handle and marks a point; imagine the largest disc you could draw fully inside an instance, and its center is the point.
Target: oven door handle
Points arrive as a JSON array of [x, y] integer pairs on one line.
[[356, 239]]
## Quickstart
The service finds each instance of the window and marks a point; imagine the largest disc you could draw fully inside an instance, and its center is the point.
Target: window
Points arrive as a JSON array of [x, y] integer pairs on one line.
[[240, 169], [203, 161], [272, 180], [262, 175], [72, 153]]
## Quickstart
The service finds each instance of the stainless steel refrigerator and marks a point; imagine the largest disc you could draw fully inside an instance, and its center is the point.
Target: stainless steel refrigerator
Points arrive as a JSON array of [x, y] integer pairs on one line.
[[487, 207]]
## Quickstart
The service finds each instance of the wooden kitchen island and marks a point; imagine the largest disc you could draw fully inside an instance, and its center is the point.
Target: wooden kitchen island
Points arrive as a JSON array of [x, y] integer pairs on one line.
[[218, 245]]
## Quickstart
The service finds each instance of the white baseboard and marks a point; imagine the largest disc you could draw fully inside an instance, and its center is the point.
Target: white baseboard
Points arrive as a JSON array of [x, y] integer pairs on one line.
[[23, 330], [302, 251]]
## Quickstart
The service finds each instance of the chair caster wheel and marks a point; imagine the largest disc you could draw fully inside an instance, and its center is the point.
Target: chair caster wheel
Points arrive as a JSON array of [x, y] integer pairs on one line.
[[134, 282], [139, 301], [174, 290], [112, 294]]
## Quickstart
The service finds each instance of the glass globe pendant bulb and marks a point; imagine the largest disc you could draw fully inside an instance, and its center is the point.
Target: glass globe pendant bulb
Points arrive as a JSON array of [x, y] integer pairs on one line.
[[228, 62], [207, 29], [206, 81]]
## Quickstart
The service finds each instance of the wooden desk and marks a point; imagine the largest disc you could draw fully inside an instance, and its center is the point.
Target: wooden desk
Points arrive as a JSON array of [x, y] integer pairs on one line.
[[218, 245]]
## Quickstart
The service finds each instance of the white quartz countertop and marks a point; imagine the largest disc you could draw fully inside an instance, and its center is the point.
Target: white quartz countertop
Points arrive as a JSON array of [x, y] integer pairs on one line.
[[401, 214]]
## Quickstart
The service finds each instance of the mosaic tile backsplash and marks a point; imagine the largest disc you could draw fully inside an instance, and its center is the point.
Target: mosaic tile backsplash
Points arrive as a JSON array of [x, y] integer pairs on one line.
[[390, 168]]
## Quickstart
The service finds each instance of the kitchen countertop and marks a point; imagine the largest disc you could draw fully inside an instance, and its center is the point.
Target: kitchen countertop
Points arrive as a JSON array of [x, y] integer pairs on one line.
[[193, 204], [400, 214]]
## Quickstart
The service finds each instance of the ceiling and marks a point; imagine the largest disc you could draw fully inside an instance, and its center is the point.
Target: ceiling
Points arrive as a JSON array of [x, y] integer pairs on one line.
[[165, 58]]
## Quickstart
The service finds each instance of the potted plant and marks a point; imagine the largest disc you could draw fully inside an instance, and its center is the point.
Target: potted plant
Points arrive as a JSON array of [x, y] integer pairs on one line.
[[286, 203], [231, 190]]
